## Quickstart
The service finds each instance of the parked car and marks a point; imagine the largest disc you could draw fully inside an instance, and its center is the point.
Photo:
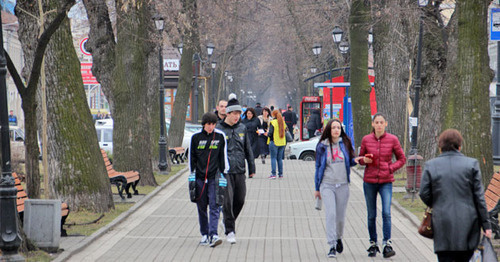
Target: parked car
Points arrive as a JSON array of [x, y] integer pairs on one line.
[[104, 129], [304, 150], [17, 148]]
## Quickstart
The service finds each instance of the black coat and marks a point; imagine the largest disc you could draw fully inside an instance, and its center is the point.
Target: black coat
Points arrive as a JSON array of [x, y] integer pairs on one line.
[[314, 122], [451, 185], [252, 125], [238, 148]]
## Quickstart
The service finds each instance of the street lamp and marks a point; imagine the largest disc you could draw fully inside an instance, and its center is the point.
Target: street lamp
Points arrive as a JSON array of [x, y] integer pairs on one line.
[[162, 142], [213, 65], [337, 34], [316, 49], [344, 47], [414, 158], [179, 47], [210, 49], [370, 36], [10, 239], [197, 60]]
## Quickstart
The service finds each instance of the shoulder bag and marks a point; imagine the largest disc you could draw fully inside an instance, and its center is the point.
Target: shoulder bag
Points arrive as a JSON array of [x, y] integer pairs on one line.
[[425, 229]]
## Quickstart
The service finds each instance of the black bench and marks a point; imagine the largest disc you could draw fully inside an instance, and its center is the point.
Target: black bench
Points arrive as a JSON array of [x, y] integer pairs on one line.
[[122, 180], [177, 154]]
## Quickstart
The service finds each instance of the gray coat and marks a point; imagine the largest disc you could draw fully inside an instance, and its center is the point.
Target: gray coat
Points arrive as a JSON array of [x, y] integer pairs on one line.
[[451, 185]]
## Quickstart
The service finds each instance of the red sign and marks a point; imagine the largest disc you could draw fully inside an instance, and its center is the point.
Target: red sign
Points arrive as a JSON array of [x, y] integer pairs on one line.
[[87, 77], [82, 46], [311, 99]]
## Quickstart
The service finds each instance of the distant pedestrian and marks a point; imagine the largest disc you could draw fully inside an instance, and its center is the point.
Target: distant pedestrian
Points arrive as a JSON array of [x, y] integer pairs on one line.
[[238, 149], [253, 125], [277, 143], [377, 149], [290, 120], [12, 118], [314, 123], [334, 159], [258, 109], [221, 110], [452, 187], [207, 160], [265, 120]]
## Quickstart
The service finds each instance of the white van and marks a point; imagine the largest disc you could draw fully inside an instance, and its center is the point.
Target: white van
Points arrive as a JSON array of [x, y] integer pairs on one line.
[[104, 129]]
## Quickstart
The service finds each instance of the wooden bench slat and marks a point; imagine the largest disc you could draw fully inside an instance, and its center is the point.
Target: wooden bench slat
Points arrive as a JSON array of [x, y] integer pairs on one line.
[[131, 178]]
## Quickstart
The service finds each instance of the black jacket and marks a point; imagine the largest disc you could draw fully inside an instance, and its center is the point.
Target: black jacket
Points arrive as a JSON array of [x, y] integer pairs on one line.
[[290, 118], [204, 144], [238, 148], [314, 122], [451, 185]]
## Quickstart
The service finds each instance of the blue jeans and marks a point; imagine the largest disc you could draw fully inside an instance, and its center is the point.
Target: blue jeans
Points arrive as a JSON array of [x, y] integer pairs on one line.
[[277, 154], [207, 199], [385, 191]]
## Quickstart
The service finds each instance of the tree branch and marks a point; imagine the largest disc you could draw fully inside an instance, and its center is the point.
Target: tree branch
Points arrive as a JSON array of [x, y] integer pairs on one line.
[[15, 75], [43, 41]]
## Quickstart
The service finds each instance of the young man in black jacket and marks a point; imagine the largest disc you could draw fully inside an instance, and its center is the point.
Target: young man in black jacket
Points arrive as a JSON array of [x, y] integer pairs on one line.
[[238, 149], [208, 159]]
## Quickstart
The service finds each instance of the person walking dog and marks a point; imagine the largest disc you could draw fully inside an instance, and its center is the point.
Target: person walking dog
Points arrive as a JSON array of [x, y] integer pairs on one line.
[[207, 160], [334, 159]]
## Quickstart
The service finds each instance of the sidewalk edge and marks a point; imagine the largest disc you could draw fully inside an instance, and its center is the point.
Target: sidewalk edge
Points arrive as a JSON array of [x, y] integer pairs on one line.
[[409, 215], [65, 255]]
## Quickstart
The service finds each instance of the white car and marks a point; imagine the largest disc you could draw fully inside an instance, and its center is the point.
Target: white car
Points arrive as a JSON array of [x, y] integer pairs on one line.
[[104, 129], [304, 150]]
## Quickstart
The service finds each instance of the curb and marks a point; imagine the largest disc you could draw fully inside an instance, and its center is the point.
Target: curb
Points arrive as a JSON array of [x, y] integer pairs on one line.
[[407, 214], [65, 255]]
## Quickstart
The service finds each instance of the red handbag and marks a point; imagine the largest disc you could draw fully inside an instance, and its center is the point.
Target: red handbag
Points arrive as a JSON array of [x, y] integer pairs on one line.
[[425, 229]]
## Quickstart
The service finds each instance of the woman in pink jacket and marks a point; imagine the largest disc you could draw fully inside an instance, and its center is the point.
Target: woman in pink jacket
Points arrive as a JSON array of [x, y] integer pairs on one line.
[[376, 153]]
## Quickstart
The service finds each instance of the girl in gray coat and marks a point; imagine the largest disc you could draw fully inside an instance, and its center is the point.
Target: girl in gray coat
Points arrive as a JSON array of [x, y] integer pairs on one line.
[[451, 186]]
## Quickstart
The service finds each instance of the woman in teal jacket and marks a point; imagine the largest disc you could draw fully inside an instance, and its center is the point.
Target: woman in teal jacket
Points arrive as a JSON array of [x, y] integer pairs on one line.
[[334, 159]]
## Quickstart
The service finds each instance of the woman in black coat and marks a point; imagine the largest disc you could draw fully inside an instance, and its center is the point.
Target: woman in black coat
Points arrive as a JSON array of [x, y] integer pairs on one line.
[[451, 185], [314, 122], [252, 124]]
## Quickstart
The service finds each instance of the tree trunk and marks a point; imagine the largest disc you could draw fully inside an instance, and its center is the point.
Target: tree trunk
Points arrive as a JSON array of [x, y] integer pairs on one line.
[[132, 147], [124, 71], [359, 19], [467, 98], [32, 150], [435, 58], [191, 42], [77, 173], [394, 35]]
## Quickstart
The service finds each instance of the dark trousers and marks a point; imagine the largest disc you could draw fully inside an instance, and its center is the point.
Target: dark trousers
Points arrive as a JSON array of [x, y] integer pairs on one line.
[[233, 200], [207, 227], [311, 133], [454, 256], [290, 128]]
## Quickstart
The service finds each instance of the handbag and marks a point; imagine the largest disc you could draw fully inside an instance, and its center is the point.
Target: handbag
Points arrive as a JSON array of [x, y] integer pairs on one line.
[[484, 252], [425, 229], [288, 136]]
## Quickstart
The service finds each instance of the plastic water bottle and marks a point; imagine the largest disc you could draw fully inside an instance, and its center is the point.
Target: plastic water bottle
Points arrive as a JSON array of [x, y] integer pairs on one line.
[[318, 203], [192, 187], [220, 190]]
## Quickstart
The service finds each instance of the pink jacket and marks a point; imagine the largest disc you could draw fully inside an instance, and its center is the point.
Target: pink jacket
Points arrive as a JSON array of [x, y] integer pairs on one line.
[[382, 169]]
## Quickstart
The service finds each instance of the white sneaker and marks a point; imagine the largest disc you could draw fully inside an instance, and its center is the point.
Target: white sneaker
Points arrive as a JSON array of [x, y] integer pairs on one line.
[[231, 238], [215, 241], [204, 240]]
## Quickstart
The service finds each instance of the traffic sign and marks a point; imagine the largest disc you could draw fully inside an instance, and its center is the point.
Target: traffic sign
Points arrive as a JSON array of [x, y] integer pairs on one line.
[[495, 24]]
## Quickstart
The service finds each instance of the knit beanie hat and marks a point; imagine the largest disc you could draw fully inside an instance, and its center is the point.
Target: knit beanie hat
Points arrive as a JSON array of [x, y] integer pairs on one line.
[[233, 104]]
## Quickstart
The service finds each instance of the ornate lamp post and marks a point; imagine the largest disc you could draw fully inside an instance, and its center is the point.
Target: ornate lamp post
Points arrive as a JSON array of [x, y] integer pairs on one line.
[[337, 34], [213, 65], [413, 168], [162, 142], [9, 235]]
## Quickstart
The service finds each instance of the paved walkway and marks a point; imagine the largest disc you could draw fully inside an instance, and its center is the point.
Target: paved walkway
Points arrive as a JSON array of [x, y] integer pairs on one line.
[[278, 223]]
